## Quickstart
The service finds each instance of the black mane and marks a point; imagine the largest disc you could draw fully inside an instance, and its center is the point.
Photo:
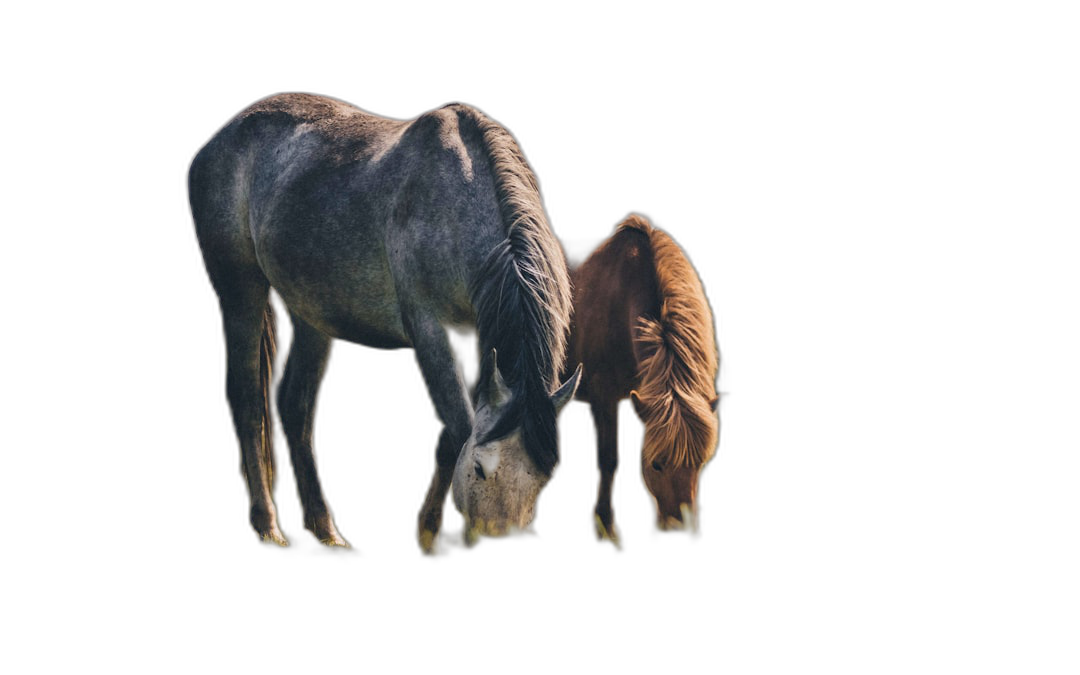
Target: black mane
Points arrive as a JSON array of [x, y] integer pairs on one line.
[[522, 299]]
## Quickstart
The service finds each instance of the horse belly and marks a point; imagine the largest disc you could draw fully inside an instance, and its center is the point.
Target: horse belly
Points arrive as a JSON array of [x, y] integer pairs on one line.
[[336, 280]]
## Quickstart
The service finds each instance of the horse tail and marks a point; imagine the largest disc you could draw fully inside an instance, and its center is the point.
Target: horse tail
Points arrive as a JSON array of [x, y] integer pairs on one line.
[[677, 376], [267, 352]]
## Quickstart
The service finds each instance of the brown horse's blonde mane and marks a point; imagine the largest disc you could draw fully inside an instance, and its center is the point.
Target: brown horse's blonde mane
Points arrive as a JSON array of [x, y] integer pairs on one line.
[[677, 376]]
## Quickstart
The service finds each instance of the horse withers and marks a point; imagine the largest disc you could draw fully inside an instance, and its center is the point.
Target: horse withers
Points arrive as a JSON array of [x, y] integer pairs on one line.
[[383, 232], [643, 329]]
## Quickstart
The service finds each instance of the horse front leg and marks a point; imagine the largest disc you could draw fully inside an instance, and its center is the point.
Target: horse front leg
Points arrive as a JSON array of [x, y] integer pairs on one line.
[[297, 394], [606, 418], [446, 387]]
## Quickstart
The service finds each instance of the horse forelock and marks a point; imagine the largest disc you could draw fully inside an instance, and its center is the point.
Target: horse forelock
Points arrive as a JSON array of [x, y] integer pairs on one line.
[[522, 298], [677, 376]]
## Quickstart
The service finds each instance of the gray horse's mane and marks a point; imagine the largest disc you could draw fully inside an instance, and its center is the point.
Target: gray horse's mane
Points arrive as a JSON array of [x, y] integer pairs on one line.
[[522, 298]]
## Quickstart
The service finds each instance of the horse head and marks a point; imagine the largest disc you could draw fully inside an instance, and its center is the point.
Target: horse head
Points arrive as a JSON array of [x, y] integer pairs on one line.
[[680, 438], [496, 480]]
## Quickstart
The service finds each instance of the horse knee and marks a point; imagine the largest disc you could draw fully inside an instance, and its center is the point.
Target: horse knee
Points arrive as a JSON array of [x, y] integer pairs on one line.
[[608, 462]]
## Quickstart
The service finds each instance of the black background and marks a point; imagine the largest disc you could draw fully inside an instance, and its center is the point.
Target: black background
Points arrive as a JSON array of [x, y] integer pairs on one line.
[[741, 161]]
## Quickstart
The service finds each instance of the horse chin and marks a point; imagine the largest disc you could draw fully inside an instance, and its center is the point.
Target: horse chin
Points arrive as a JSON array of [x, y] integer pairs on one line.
[[674, 492], [479, 522], [673, 520], [475, 527]]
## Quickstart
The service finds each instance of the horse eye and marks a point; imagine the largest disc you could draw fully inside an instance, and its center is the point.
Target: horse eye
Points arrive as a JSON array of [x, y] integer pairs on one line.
[[656, 466]]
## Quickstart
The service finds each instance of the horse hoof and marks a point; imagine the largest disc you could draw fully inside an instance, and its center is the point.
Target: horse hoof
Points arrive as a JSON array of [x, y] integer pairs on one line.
[[334, 539], [427, 542], [607, 532], [275, 536]]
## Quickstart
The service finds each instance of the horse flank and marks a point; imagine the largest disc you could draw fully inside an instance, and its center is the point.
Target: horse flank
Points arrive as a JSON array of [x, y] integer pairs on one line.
[[677, 376], [522, 297]]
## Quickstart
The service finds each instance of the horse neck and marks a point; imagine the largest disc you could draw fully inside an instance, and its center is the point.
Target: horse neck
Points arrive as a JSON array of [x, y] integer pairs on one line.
[[516, 322]]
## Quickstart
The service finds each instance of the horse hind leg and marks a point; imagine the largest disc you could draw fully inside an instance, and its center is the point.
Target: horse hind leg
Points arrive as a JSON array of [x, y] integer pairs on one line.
[[250, 343], [297, 394], [218, 207]]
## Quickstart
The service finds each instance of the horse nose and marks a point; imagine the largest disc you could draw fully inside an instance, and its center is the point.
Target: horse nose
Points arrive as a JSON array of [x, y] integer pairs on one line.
[[479, 471]]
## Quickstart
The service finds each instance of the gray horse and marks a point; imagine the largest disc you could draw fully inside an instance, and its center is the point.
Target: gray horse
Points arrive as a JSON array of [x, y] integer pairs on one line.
[[383, 232]]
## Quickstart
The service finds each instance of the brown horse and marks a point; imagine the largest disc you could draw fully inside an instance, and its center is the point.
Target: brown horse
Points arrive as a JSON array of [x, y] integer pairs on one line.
[[643, 329]]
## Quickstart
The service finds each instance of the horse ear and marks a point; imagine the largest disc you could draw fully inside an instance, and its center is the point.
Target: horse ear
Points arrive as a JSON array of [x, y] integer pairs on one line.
[[713, 403], [639, 407], [564, 393], [499, 390]]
